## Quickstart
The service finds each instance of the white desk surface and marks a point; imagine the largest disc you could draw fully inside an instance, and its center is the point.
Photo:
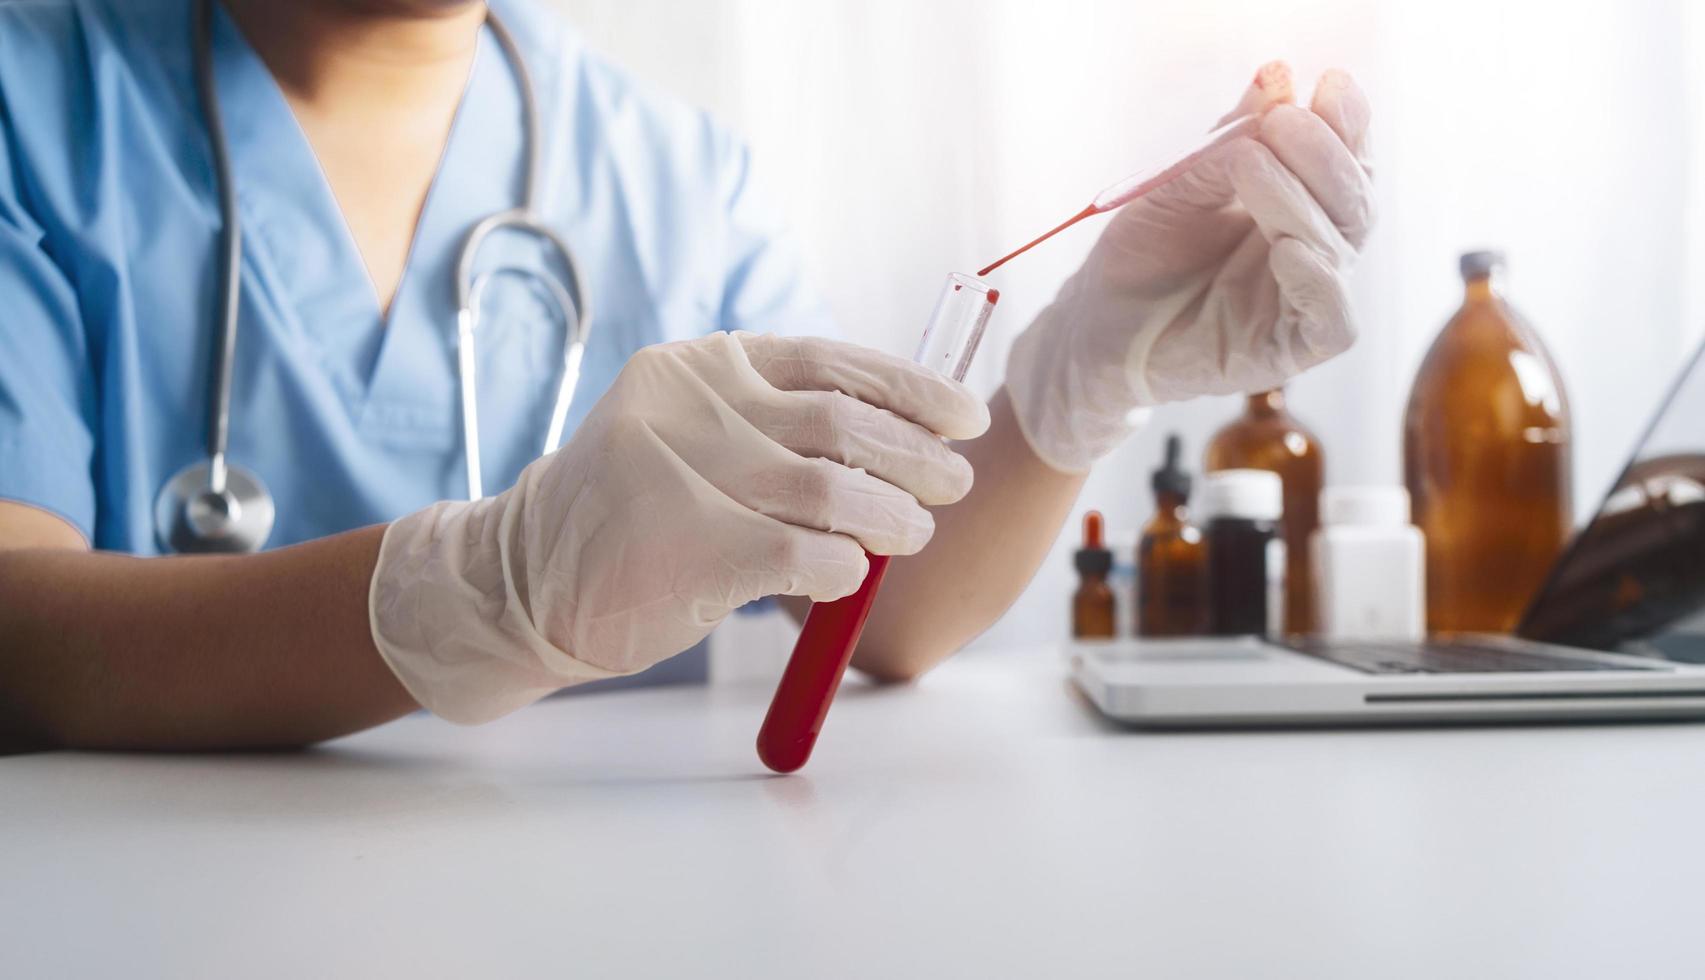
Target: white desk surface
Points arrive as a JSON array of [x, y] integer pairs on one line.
[[981, 823]]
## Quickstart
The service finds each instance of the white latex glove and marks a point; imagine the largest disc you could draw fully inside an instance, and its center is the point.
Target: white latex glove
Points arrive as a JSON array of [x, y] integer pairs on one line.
[[1231, 278], [713, 472]]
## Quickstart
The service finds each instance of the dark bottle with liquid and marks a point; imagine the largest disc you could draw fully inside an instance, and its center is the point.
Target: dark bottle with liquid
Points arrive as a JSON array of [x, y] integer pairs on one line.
[[1093, 605], [1486, 460], [1268, 437], [1172, 582], [1245, 553]]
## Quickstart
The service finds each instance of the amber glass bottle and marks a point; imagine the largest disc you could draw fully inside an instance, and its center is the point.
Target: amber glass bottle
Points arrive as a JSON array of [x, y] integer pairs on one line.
[[1486, 458], [1268, 437], [1093, 604], [1172, 595]]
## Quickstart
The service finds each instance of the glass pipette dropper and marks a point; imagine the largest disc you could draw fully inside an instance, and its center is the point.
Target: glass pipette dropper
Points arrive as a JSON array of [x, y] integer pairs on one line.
[[1121, 193]]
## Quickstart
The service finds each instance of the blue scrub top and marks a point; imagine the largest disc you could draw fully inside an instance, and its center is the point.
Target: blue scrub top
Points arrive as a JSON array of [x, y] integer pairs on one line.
[[108, 221]]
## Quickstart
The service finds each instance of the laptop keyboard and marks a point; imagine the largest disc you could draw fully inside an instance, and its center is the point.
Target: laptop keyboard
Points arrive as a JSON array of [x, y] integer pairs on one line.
[[1452, 657]]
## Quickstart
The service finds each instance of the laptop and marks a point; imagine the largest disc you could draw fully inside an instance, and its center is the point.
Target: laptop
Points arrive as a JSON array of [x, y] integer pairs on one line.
[[1617, 631]]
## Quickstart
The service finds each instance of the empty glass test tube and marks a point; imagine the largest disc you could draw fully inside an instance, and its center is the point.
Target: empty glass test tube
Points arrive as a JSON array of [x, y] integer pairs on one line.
[[831, 630], [956, 326]]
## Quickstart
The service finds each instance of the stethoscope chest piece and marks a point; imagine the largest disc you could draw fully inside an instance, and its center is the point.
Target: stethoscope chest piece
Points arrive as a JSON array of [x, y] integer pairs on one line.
[[193, 513]]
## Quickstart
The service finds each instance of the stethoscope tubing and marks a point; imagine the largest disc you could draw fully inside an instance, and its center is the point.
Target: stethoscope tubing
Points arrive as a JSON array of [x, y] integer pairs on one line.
[[229, 256]]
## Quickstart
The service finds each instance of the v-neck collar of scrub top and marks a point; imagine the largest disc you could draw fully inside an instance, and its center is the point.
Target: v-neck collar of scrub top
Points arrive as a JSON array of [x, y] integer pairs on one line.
[[396, 374]]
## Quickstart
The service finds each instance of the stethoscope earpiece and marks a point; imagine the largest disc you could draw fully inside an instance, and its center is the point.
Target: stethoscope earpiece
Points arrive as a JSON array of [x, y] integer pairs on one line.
[[576, 320]]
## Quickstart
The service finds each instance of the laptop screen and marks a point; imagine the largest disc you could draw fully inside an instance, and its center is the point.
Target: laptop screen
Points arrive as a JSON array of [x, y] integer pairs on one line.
[[1636, 573]]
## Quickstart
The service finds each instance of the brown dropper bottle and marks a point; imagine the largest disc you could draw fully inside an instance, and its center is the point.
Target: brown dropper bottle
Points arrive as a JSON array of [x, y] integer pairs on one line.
[[1486, 459], [1093, 606], [1171, 561], [1268, 437]]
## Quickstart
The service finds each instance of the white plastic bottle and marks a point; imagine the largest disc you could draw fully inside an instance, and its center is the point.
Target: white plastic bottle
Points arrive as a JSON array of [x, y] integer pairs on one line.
[[1369, 566]]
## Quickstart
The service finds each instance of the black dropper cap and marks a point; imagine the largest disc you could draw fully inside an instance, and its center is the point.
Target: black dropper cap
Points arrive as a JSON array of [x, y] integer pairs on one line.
[[1172, 478], [1093, 558]]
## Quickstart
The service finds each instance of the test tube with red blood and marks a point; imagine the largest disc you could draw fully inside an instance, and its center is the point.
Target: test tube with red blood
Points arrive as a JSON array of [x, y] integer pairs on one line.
[[831, 631]]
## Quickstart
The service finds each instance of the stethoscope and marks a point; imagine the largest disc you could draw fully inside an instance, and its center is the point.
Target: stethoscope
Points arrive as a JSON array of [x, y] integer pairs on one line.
[[217, 506]]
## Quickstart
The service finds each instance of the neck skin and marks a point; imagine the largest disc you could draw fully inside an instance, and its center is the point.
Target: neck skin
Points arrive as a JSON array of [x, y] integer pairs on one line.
[[397, 54], [375, 87]]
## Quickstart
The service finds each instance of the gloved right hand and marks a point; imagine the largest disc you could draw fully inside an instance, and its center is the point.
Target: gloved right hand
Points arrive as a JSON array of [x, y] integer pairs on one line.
[[1232, 277], [713, 472]]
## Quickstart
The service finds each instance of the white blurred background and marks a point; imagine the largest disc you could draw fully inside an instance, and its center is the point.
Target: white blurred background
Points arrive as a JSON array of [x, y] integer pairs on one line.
[[910, 139]]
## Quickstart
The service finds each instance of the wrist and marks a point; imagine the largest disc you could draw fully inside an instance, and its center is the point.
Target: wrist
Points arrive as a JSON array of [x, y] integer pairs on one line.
[[449, 617], [1072, 390]]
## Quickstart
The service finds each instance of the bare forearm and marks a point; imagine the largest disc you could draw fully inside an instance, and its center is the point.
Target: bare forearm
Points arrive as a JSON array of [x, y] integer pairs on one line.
[[107, 651], [985, 551]]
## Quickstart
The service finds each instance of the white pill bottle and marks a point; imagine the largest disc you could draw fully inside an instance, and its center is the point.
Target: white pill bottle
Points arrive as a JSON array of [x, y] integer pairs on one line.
[[1369, 566]]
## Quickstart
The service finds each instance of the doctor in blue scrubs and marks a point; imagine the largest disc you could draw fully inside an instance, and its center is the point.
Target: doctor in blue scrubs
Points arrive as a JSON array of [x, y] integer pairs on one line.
[[719, 445]]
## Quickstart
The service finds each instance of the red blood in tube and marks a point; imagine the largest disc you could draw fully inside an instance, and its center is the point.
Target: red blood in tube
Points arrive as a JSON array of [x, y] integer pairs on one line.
[[820, 657]]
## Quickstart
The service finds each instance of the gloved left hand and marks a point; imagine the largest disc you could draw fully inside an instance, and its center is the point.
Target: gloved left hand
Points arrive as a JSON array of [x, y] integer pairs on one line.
[[1230, 278], [711, 472]]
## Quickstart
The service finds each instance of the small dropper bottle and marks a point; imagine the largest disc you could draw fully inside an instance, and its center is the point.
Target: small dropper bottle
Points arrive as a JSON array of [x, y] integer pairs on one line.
[[1172, 597], [1092, 604]]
